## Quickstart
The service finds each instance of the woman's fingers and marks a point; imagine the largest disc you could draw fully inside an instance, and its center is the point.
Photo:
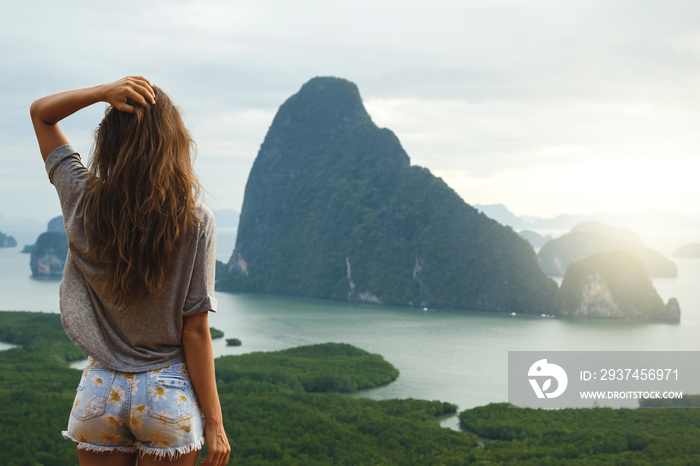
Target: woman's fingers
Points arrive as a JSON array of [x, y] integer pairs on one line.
[[124, 107], [217, 444], [216, 458], [137, 88], [145, 89], [141, 78], [139, 94], [218, 455]]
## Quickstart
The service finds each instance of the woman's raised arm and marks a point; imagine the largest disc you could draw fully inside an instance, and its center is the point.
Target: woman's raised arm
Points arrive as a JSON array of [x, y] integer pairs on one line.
[[47, 111]]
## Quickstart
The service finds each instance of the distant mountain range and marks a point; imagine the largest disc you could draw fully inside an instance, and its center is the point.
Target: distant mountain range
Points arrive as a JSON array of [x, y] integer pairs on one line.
[[649, 220], [591, 238]]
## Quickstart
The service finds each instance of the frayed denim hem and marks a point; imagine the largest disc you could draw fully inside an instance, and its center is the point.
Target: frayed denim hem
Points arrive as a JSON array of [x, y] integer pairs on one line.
[[170, 453], [158, 453], [98, 448]]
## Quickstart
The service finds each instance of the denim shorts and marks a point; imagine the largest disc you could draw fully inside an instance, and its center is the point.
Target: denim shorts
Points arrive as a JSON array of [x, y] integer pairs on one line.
[[154, 412]]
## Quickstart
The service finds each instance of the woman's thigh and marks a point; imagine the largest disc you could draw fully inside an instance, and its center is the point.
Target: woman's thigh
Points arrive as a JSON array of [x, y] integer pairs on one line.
[[91, 458], [187, 459]]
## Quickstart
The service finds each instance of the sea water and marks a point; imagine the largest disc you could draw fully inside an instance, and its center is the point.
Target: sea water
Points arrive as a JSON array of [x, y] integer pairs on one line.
[[448, 355]]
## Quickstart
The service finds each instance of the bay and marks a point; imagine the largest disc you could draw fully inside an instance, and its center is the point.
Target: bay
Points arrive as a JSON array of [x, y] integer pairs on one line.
[[448, 355]]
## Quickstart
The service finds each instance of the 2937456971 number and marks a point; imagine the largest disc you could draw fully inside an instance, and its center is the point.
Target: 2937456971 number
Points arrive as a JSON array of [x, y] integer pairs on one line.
[[639, 374]]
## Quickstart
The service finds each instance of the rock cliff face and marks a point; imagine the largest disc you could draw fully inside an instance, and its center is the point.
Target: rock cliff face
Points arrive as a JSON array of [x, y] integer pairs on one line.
[[48, 254], [592, 238], [613, 285], [333, 209]]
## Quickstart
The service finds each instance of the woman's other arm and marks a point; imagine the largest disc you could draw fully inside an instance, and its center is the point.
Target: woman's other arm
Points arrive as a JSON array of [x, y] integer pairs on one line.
[[199, 355], [47, 111]]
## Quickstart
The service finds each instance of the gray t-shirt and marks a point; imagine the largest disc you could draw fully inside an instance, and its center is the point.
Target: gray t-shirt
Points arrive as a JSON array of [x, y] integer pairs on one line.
[[148, 334]]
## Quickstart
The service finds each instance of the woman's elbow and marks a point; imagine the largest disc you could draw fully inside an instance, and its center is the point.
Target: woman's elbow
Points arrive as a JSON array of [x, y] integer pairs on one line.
[[196, 329], [34, 109]]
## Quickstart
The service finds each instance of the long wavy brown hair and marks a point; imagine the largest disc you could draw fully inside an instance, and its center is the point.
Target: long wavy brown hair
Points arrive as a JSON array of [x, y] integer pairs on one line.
[[141, 203]]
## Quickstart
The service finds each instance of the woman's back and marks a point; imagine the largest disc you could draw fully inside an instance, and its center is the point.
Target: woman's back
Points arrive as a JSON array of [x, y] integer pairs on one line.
[[141, 251], [138, 281], [146, 334]]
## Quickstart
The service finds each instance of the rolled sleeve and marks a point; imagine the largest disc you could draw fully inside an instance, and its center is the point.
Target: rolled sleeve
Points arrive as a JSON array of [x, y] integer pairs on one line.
[[200, 295], [70, 177], [57, 156]]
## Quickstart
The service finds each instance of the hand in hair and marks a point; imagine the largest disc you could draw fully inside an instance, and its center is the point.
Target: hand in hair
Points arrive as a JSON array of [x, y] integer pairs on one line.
[[136, 88], [47, 111]]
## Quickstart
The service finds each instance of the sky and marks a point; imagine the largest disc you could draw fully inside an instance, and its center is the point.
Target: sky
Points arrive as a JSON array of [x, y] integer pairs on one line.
[[546, 106]]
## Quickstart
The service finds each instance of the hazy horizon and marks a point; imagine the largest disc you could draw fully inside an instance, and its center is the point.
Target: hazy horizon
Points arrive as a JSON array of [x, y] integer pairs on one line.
[[16, 219]]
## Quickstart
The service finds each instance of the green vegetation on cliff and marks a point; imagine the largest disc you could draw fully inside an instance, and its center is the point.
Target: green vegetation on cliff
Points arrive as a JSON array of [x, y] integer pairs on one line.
[[333, 209]]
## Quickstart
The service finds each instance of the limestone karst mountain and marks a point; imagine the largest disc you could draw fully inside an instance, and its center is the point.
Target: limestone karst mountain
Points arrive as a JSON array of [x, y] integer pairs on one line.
[[333, 209]]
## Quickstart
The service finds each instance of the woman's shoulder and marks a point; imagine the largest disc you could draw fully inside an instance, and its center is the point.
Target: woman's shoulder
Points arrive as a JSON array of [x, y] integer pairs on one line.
[[206, 216]]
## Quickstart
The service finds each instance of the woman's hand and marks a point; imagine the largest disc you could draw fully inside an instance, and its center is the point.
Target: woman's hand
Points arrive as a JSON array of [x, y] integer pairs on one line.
[[47, 111], [218, 448], [136, 88]]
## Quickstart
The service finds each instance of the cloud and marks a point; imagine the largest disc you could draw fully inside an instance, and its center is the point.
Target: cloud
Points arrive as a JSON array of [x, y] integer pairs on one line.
[[482, 92]]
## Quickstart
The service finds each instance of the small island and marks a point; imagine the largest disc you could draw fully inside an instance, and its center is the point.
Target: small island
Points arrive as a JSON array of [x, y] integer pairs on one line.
[[49, 255], [614, 284], [7, 241]]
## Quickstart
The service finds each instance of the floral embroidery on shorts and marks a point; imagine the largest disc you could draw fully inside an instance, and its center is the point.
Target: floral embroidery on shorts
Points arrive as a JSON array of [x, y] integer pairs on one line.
[[156, 411]]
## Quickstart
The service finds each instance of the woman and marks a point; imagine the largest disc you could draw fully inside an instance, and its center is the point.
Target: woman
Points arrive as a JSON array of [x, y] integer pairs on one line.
[[138, 280]]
